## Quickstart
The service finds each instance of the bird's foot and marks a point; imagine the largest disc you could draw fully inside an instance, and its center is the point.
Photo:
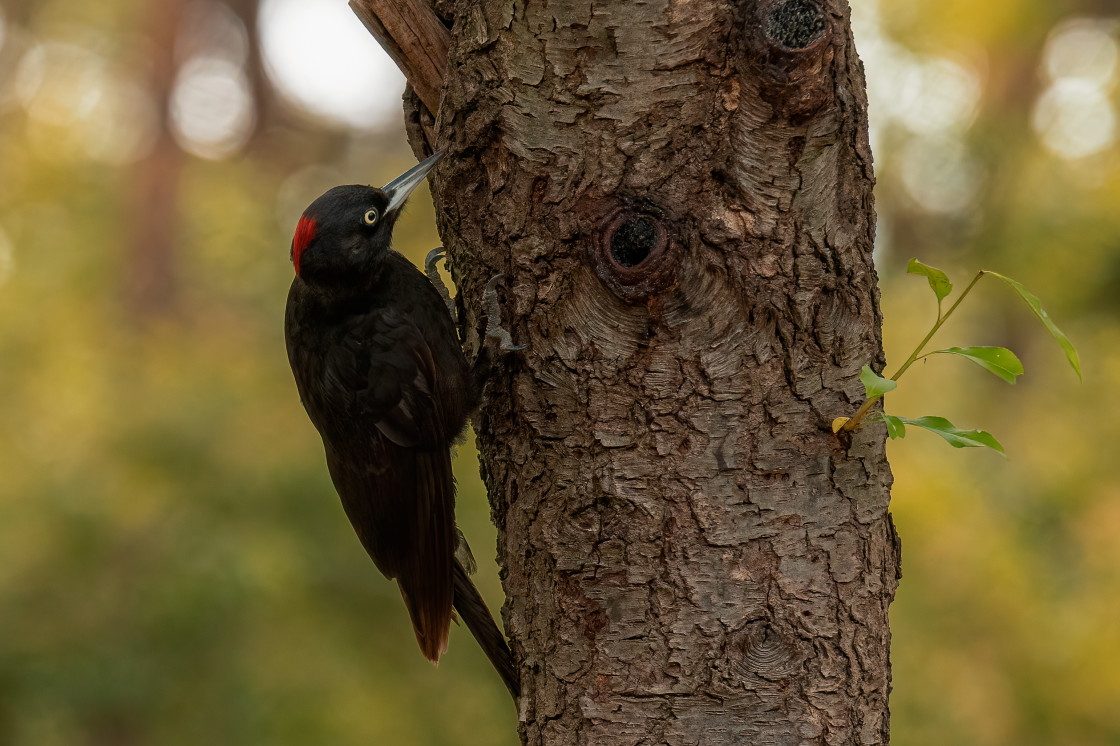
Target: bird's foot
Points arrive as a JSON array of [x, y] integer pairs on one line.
[[494, 330], [432, 271]]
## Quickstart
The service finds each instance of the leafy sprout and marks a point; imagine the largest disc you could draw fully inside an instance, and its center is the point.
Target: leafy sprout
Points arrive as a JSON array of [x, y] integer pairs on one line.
[[999, 361]]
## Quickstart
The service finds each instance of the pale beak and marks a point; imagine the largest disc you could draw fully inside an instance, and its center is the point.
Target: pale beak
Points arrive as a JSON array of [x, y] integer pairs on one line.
[[399, 188]]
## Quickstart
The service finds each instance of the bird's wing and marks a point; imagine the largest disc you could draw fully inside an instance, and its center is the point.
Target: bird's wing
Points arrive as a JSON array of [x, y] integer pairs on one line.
[[382, 372], [402, 501]]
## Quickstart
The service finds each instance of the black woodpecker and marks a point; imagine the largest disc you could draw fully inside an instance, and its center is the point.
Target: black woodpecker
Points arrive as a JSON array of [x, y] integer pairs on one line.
[[381, 373]]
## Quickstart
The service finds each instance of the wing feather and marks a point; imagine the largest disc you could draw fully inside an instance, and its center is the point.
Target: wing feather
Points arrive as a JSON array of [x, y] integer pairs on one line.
[[401, 497]]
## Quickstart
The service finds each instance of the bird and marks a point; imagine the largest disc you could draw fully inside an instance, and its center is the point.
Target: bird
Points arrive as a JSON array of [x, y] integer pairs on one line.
[[383, 378]]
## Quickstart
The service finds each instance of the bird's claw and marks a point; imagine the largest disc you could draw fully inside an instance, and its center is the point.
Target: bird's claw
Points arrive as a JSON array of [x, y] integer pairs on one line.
[[432, 271], [494, 329], [463, 552]]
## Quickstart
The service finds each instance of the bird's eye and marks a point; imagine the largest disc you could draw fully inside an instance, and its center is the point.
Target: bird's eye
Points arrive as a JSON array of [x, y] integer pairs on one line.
[[371, 217]]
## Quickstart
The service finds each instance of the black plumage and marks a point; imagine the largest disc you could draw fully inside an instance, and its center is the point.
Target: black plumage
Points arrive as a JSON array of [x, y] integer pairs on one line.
[[384, 380]]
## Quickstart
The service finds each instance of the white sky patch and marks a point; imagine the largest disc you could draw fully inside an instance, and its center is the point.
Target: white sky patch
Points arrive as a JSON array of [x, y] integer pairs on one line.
[[320, 57]]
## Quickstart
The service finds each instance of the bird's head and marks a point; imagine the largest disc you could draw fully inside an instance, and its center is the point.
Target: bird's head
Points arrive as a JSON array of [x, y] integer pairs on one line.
[[346, 230]]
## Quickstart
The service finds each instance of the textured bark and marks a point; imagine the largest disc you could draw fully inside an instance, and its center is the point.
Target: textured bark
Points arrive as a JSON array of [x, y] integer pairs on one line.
[[691, 556]]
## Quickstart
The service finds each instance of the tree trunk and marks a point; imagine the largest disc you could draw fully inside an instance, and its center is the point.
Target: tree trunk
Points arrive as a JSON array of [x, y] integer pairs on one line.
[[680, 192]]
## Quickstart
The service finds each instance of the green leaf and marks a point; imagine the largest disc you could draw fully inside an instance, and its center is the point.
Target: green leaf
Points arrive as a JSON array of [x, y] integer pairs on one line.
[[875, 385], [955, 436], [896, 428], [938, 280], [1036, 306], [997, 360]]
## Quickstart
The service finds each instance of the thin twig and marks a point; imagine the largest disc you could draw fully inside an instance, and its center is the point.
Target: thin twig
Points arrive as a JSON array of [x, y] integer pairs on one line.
[[857, 418]]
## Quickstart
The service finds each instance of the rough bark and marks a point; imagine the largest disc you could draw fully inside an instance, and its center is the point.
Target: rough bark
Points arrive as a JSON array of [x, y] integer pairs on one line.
[[680, 192]]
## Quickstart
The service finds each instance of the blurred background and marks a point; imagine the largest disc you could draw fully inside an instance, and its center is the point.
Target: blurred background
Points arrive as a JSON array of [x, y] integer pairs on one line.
[[174, 566]]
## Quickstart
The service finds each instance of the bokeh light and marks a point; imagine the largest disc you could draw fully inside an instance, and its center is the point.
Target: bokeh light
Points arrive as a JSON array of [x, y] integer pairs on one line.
[[212, 29], [925, 103], [13, 45], [1082, 48], [934, 94], [123, 126], [938, 173], [79, 106], [1075, 118], [211, 107], [59, 83]]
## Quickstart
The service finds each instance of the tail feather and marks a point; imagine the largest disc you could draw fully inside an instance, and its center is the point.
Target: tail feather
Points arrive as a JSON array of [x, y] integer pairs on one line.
[[426, 580], [432, 631], [472, 609]]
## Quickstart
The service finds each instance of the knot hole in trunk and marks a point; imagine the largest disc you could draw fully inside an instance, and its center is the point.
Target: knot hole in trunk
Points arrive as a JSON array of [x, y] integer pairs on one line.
[[634, 252]]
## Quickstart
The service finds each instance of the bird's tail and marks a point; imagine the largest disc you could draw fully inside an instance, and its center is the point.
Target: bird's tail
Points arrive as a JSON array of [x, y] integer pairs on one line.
[[472, 609], [425, 578]]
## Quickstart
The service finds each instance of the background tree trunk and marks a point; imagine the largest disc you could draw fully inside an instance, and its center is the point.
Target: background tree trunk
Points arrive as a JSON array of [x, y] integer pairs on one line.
[[680, 192], [152, 276]]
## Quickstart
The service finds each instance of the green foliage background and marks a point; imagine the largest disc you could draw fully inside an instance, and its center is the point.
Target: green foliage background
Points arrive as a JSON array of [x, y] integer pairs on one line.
[[174, 566]]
